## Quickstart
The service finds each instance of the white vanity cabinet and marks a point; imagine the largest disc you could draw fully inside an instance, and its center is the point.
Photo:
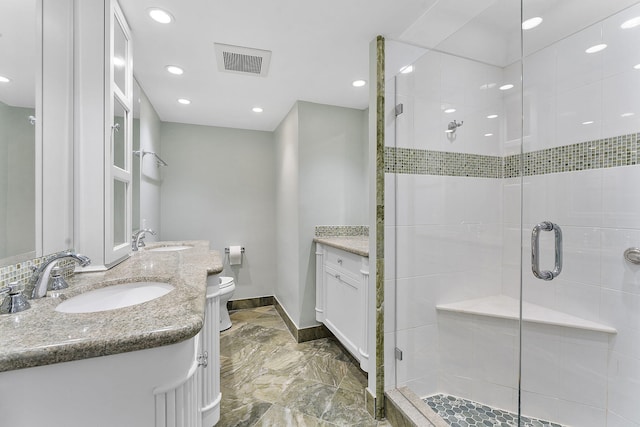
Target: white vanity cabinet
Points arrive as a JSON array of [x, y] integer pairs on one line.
[[176, 385], [342, 294], [194, 400]]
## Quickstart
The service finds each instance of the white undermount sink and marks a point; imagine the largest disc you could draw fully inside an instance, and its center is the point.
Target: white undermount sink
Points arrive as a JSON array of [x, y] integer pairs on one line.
[[115, 296], [170, 248]]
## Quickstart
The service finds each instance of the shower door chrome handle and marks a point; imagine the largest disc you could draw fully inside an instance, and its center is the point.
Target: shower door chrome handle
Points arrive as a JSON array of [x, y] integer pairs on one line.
[[535, 251]]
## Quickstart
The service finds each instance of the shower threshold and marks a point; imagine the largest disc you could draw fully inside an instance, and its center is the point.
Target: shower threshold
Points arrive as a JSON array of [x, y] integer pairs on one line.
[[458, 412]]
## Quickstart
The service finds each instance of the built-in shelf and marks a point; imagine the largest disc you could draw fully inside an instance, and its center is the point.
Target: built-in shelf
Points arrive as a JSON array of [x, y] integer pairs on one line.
[[504, 307]]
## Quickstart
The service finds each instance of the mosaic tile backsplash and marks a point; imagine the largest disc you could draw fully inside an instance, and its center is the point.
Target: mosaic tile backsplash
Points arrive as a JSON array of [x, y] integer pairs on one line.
[[22, 271], [341, 230], [602, 153]]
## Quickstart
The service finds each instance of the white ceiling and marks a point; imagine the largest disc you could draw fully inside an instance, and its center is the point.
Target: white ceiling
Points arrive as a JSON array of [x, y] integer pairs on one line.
[[318, 49]]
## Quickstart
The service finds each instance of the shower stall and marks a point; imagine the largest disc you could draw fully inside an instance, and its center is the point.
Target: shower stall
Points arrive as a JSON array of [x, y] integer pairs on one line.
[[512, 212]]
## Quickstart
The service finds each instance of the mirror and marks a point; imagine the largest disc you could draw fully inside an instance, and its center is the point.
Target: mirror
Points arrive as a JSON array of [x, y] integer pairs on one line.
[[135, 169], [17, 130]]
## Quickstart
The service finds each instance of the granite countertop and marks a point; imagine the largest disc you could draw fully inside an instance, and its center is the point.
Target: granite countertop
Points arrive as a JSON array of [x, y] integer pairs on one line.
[[42, 336], [358, 245]]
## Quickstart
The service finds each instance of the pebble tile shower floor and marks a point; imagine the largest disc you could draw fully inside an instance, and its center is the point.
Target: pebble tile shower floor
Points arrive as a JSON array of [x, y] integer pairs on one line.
[[458, 412], [268, 379]]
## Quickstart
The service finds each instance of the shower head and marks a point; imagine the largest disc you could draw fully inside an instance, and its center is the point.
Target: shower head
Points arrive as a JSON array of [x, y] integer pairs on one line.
[[451, 128]]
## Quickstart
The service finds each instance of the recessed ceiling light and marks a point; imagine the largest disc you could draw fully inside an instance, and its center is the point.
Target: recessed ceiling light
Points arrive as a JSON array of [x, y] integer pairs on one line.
[[596, 48], [257, 110], [161, 16], [588, 122], [531, 23], [627, 114], [407, 69], [492, 116], [631, 23], [450, 110], [174, 69], [359, 83], [488, 134], [636, 67], [506, 87], [4, 79], [118, 62], [184, 101]]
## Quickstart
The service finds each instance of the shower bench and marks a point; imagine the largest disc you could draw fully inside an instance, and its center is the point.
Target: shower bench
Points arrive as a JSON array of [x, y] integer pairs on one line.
[[505, 307]]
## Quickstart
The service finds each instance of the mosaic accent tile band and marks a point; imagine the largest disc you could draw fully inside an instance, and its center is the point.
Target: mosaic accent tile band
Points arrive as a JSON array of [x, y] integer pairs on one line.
[[602, 153], [22, 271], [426, 162], [341, 230], [460, 412]]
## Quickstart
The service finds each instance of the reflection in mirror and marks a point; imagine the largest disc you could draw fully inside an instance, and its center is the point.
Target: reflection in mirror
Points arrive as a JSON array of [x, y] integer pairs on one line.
[[119, 58], [119, 212], [135, 169], [118, 133], [17, 130]]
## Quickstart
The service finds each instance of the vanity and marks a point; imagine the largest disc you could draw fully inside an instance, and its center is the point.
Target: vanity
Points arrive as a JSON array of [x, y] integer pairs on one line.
[[151, 364], [342, 291]]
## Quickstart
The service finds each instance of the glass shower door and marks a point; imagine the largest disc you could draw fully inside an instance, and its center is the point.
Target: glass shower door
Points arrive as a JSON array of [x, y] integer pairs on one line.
[[580, 328], [517, 133], [457, 289]]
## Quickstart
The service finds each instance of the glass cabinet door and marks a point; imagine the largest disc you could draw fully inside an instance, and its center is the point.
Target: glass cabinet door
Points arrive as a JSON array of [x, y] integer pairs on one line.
[[119, 151]]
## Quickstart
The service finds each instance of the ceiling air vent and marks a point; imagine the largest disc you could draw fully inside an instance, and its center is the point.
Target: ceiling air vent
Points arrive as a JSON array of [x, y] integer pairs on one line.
[[242, 60]]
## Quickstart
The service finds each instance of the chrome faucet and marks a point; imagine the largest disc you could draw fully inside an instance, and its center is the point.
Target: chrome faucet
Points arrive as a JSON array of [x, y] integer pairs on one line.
[[137, 240], [40, 277]]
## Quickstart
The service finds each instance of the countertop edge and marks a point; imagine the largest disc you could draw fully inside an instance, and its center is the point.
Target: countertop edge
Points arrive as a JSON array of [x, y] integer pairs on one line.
[[358, 245]]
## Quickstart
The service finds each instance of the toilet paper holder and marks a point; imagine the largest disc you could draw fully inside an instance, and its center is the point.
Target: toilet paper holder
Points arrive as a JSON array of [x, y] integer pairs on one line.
[[226, 250]]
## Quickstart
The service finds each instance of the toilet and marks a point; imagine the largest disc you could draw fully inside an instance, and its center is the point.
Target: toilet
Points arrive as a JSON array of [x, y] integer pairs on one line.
[[227, 286]]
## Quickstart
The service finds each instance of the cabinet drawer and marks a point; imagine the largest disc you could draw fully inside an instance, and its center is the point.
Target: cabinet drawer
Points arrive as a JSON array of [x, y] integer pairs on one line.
[[344, 262]]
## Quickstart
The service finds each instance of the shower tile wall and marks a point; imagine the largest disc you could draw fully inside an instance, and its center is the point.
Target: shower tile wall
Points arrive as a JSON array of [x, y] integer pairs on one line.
[[459, 238], [448, 226]]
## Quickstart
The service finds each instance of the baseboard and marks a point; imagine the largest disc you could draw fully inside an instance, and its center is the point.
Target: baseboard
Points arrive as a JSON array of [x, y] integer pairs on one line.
[[304, 334], [369, 402], [240, 304]]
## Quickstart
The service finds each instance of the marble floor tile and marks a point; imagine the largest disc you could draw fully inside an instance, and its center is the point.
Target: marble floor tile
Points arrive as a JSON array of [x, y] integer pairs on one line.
[[354, 379], [268, 379], [280, 416], [347, 409], [329, 347], [239, 413], [310, 397], [325, 369]]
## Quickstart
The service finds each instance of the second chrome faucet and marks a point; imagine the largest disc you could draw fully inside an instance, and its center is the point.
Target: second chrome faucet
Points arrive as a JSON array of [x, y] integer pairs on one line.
[[137, 240]]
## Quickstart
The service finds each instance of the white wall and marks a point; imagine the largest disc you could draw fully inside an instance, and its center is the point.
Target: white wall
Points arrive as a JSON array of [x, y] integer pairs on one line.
[[322, 164], [287, 287], [333, 183], [220, 186]]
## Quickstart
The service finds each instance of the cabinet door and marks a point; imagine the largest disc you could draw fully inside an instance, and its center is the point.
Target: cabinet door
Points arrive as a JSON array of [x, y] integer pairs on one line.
[[118, 149], [343, 308]]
